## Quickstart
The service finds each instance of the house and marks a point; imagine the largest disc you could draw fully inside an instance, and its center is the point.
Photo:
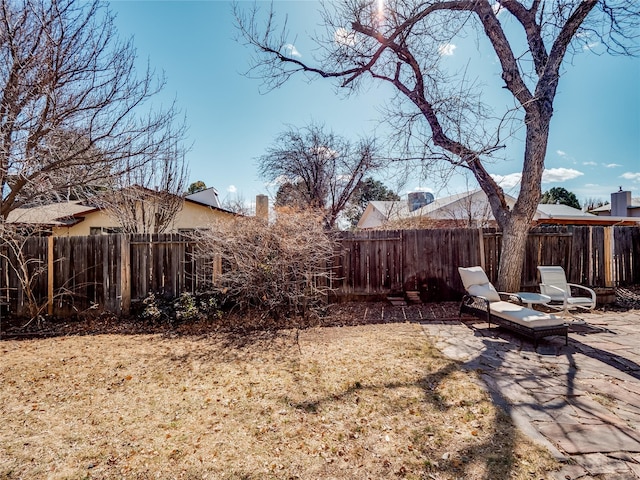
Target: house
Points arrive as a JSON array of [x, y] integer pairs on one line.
[[461, 209], [467, 209], [78, 218], [622, 205]]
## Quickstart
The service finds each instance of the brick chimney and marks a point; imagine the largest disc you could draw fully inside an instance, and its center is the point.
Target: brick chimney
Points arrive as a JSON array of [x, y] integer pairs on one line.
[[620, 201], [262, 207]]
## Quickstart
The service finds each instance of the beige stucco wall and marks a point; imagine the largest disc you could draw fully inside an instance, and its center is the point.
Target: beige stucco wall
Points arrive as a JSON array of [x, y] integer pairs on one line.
[[192, 215]]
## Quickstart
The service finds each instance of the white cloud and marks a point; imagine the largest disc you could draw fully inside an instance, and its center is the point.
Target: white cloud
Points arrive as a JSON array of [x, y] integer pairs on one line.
[[279, 181], [344, 37], [593, 164], [325, 152], [446, 49], [497, 8], [422, 189], [555, 175], [612, 165], [566, 157], [591, 185], [590, 45], [232, 189], [634, 177], [508, 181], [293, 51], [550, 175]]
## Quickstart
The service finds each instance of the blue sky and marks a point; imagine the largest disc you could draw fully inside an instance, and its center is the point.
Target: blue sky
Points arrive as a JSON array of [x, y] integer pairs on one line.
[[594, 145]]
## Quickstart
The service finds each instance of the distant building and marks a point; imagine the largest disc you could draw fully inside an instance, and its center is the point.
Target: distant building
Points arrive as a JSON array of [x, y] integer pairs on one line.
[[622, 205], [76, 218], [467, 209]]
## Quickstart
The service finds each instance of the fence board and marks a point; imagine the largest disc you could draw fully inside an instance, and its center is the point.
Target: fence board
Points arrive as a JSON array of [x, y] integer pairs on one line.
[[627, 256]]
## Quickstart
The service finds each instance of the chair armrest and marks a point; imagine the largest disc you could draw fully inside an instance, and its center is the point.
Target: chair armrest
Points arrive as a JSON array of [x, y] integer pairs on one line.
[[582, 287], [476, 302], [553, 287], [510, 297]]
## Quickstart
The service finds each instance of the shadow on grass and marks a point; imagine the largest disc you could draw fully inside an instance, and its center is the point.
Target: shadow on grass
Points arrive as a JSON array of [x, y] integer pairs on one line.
[[497, 453]]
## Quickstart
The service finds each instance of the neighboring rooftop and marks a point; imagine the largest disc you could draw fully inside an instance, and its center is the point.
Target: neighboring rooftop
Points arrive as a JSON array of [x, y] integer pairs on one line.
[[208, 196], [53, 214], [551, 210], [472, 208], [635, 203]]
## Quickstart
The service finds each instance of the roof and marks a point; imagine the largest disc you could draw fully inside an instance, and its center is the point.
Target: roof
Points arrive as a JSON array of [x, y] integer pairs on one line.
[[551, 210], [208, 197], [475, 202], [64, 213], [70, 213], [635, 203], [398, 209], [378, 212]]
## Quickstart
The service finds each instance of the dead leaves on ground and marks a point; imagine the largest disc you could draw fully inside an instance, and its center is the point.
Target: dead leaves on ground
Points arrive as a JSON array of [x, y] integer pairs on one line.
[[356, 402]]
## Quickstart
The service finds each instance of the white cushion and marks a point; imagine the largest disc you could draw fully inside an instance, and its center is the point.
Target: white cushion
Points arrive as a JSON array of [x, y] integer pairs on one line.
[[579, 301], [524, 316], [472, 276], [485, 290]]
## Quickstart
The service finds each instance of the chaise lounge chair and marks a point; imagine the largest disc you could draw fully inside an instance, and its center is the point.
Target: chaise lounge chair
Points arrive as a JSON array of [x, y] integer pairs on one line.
[[484, 301], [553, 283]]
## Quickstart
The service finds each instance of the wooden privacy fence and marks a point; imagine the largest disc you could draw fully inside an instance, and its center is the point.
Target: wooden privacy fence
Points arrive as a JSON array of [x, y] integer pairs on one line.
[[104, 272], [73, 274], [374, 263]]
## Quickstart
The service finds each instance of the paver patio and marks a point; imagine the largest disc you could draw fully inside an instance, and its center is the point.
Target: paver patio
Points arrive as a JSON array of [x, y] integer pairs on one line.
[[581, 401]]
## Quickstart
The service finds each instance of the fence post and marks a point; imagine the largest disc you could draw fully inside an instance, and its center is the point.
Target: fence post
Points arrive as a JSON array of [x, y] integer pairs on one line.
[[125, 274], [50, 275], [481, 244], [609, 258]]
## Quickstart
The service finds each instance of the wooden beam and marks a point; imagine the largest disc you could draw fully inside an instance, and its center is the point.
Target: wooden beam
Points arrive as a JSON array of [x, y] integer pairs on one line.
[[50, 275], [609, 258], [481, 244], [125, 275]]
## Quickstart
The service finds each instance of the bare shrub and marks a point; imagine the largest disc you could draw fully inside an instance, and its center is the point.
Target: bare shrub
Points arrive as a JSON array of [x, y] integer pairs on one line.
[[27, 269], [279, 269]]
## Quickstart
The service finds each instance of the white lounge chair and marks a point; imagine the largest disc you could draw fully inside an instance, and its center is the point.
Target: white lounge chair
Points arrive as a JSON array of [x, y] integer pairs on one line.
[[553, 283], [484, 301]]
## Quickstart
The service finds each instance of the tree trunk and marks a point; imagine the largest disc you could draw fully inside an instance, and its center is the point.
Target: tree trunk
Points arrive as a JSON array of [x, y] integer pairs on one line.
[[512, 253], [515, 227]]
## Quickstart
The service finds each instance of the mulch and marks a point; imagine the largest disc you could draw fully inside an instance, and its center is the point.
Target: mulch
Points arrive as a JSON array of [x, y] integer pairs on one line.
[[339, 314]]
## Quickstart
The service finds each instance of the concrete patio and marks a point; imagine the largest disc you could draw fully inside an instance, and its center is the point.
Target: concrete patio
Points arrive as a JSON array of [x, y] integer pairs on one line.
[[581, 401]]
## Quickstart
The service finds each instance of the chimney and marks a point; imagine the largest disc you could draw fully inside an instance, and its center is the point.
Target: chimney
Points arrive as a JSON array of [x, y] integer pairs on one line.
[[418, 200], [262, 207], [620, 201]]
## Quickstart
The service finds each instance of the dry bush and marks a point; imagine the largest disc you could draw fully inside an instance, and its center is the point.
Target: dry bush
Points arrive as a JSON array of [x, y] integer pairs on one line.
[[280, 269]]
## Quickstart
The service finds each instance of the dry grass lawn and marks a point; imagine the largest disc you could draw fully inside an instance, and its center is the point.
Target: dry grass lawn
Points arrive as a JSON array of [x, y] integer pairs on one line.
[[374, 401]]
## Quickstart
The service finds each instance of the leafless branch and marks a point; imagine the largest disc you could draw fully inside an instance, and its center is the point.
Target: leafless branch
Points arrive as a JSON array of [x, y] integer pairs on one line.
[[74, 110], [279, 268]]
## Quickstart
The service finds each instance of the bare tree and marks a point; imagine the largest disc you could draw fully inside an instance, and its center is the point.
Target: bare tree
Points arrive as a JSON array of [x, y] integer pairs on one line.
[[400, 42], [591, 203], [74, 111], [146, 199], [237, 204], [323, 168]]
